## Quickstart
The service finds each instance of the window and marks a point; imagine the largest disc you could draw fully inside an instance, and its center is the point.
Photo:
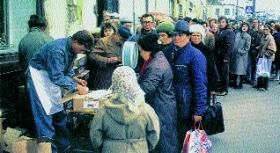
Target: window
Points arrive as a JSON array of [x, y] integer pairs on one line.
[[3, 25], [226, 11], [217, 12]]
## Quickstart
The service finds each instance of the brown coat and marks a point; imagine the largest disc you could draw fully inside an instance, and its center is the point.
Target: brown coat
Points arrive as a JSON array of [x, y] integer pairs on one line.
[[267, 47], [101, 72]]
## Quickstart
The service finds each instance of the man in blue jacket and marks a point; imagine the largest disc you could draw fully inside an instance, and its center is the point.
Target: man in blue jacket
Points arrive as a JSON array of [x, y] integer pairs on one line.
[[50, 70], [190, 81]]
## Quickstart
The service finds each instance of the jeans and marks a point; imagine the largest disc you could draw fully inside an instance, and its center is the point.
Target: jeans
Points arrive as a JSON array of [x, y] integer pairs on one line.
[[50, 126]]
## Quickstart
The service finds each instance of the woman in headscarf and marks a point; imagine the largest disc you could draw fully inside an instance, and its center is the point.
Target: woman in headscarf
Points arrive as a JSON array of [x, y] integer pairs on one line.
[[156, 79], [125, 123]]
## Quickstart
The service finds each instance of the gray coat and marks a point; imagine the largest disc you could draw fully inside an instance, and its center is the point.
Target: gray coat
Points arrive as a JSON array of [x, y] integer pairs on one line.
[[116, 129], [156, 82], [239, 56]]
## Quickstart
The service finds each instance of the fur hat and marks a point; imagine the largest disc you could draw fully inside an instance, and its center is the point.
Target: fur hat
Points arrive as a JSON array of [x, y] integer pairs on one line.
[[199, 29]]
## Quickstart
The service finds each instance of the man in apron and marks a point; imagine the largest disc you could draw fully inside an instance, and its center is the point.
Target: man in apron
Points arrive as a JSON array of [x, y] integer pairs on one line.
[[50, 70]]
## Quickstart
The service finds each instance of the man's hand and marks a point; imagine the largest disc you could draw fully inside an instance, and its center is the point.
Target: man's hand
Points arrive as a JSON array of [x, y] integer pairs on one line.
[[80, 81], [113, 60], [197, 118], [82, 90]]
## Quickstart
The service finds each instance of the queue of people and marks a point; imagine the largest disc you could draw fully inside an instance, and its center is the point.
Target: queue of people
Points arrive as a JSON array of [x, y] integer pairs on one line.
[[180, 66]]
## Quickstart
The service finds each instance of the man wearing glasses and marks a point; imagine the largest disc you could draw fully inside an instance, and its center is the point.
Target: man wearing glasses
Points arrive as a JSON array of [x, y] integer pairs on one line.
[[147, 24], [190, 81]]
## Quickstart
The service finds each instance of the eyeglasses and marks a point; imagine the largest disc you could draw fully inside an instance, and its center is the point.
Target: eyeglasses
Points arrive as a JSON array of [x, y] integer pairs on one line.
[[146, 22], [265, 29]]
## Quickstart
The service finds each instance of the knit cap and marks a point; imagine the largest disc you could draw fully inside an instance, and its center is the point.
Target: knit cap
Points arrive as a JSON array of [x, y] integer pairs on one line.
[[165, 26]]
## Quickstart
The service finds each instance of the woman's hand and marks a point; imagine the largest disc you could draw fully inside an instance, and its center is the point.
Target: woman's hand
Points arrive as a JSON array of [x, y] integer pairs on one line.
[[82, 90]]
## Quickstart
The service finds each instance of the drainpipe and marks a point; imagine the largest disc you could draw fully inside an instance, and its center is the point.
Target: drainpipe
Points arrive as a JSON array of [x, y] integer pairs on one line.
[[133, 7]]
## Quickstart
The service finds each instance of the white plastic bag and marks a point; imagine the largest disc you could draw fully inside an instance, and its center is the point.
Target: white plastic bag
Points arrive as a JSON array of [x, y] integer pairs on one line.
[[264, 67]]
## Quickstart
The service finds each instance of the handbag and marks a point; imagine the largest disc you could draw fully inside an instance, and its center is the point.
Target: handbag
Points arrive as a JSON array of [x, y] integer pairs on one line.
[[196, 141], [213, 120]]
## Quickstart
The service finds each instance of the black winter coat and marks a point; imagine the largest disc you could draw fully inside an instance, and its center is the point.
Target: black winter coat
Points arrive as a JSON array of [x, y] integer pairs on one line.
[[224, 44], [157, 83]]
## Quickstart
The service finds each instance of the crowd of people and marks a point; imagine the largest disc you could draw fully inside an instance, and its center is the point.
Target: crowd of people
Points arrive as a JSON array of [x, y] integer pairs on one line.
[[181, 64]]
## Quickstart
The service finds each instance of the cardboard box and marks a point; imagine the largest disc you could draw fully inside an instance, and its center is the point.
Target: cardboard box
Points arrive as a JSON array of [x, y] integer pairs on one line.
[[80, 103], [28, 145]]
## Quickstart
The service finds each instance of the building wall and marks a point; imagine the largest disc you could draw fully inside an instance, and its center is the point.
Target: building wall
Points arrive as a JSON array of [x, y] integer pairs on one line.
[[56, 15], [19, 12], [67, 17]]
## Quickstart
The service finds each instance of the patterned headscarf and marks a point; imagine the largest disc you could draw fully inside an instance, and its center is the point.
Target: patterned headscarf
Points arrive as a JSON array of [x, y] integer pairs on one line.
[[126, 87]]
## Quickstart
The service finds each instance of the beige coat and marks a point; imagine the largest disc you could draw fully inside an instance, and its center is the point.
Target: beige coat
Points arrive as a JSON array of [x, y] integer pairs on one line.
[[267, 47]]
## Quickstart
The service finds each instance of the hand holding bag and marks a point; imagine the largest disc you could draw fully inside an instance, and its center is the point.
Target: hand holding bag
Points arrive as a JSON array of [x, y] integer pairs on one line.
[[196, 141], [213, 120]]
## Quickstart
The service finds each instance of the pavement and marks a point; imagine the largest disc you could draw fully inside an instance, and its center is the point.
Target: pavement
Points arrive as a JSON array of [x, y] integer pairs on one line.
[[252, 121]]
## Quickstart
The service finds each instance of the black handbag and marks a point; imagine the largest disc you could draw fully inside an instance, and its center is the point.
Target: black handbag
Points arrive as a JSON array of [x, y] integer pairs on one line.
[[213, 120]]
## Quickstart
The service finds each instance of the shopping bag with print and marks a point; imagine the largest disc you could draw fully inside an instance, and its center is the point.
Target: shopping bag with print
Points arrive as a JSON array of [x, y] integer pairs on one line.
[[196, 141]]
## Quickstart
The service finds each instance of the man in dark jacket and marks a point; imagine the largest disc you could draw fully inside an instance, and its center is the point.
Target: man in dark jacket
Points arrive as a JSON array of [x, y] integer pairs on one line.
[[224, 47], [148, 24], [256, 35], [190, 81], [156, 80]]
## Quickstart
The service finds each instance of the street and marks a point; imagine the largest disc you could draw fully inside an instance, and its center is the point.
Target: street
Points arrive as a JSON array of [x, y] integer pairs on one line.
[[252, 121]]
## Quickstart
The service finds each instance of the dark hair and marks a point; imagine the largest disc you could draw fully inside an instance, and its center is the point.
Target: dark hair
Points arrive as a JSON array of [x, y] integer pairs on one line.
[[188, 19], [83, 37], [203, 22], [255, 19], [223, 18], [37, 21], [277, 27], [245, 23], [145, 16], [107, 25], [149, 42], [268, 26]]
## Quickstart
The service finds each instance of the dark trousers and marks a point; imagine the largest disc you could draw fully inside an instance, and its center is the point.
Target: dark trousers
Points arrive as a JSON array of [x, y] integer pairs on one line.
[[50, 126], [251, 68], [184, 125], [223, 69]]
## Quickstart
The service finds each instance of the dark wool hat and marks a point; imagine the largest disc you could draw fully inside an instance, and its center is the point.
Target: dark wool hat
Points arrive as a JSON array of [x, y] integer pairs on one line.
[[124, 32], [149, 43], [165, 26], [182, 27]]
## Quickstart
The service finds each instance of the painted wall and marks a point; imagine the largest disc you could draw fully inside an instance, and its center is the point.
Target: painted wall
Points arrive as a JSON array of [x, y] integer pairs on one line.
[[56, 15], [19, 12]]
